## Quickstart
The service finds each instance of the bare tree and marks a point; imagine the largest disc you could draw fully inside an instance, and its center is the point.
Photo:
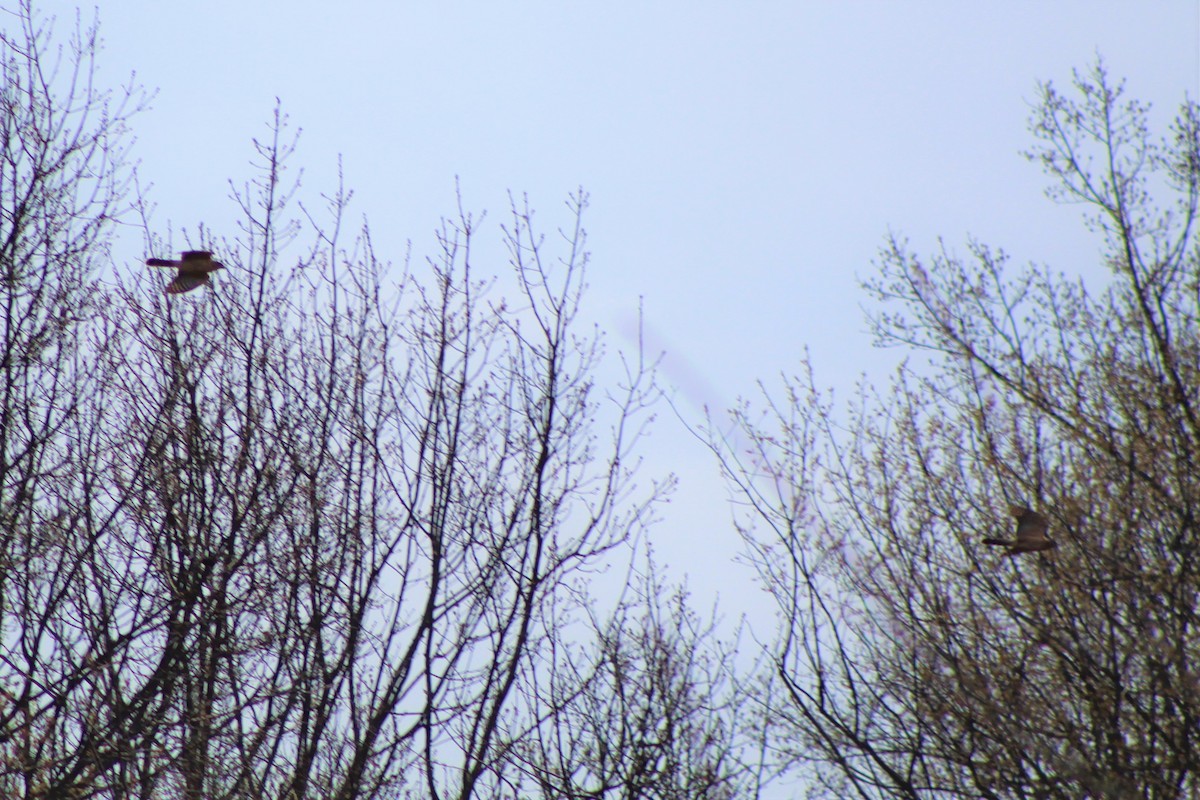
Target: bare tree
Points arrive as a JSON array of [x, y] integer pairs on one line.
[[920, 664], [295, 534], [63, 184], [648, 701]]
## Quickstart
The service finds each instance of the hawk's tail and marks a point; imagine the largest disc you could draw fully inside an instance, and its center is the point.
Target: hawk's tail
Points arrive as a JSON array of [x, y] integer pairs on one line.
[[998, 542], [161, 262]]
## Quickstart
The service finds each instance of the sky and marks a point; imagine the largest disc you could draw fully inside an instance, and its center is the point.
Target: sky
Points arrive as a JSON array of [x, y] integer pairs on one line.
[[744, 161]]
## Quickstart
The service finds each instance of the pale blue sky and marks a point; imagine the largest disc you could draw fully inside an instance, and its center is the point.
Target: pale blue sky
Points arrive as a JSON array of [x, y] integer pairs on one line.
[[745, 160]]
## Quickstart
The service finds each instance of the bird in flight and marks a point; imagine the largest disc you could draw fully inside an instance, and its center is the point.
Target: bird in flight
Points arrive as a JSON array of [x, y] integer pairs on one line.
[[1031, 533], [193, 268]]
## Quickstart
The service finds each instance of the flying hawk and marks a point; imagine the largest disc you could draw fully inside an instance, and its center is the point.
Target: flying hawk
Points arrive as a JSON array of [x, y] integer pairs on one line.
[[1031, 533], [193, 268]]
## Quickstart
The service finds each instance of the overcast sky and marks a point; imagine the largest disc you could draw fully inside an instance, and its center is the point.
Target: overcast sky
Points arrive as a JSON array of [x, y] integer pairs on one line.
[[744, 160]]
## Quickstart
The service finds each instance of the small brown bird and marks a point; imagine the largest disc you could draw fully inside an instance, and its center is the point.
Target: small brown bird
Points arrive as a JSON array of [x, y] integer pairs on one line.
[[193, 268], [1031, 533]]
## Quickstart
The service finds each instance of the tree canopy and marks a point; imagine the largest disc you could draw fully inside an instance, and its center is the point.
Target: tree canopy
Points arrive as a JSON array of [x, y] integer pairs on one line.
[[920, 664]]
